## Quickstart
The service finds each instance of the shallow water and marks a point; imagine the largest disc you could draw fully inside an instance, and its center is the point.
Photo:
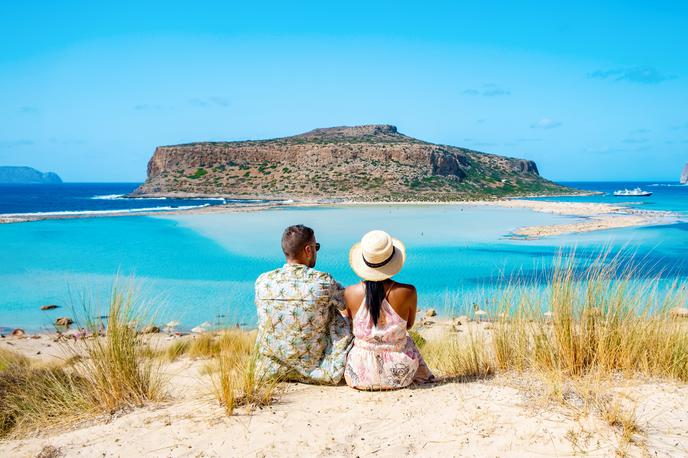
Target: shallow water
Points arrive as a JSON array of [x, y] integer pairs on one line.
[[197, 268]]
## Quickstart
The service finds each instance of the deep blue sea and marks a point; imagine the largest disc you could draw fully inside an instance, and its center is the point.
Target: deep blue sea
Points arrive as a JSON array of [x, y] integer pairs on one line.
[[83, 198], [201, 267]]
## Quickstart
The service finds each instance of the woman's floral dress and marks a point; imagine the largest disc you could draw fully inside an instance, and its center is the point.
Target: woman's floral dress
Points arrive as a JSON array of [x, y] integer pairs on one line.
[[383, 357]]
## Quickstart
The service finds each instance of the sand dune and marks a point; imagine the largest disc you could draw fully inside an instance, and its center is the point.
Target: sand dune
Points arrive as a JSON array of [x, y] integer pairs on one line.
[[508, 415]]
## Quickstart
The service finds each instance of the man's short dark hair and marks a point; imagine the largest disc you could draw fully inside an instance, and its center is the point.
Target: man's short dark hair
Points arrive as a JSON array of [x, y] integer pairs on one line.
[[295, 238]]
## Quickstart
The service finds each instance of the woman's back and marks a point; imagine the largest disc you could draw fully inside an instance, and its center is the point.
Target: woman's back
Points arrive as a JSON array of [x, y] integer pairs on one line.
[[400, 297], [388, 334], [383, 356]]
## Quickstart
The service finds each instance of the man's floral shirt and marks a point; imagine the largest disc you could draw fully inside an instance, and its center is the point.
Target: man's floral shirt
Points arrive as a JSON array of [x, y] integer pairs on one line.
[[302, 336]]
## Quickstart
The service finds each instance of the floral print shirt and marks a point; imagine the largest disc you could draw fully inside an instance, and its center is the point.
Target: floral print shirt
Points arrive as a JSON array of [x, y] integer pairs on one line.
[[302, 336]]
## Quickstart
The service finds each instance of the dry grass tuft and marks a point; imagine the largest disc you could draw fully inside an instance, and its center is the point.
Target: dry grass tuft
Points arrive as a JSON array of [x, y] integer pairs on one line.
[[102, 374], [32, 395], [460, 357], [235, 381], [176, 349], [578, 329], [116, 365], [605, 318]]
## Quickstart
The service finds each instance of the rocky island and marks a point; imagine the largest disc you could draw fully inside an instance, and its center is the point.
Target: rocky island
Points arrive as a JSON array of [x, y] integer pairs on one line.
[[361, 163], [26, 175]]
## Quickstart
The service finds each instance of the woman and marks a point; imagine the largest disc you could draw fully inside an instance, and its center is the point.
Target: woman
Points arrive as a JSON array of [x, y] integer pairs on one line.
[[383, 356]]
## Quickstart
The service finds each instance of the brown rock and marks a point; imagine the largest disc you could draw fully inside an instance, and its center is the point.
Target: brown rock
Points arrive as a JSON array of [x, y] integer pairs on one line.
[[19, 332], [49, 307], [64, 321]]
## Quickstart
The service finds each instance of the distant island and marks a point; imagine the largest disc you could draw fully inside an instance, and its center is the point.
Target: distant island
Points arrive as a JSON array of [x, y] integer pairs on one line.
[[684, 174], [360, 163], [26, 175]]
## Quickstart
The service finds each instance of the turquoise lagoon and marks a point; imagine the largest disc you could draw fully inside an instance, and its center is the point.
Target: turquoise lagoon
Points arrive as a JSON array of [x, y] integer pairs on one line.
[[201, 267]]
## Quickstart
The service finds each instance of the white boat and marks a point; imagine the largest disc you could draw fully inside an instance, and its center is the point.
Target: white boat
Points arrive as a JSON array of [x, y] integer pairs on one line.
[[637, 192]]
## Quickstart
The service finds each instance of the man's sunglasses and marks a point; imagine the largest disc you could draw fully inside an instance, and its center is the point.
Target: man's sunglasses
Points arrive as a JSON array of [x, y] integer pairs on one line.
[[317, 246]]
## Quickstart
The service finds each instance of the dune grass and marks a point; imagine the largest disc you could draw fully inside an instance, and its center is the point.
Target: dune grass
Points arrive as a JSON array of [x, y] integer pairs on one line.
[[116, 364], [102, 374], [606, 318], [34, 395], [603, 317], [580, 329], [235, 380]]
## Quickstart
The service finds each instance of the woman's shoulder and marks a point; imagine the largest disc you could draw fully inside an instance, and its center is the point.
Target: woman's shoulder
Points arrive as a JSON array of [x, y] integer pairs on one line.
[[404, 288], [402, 293], [354, 291]]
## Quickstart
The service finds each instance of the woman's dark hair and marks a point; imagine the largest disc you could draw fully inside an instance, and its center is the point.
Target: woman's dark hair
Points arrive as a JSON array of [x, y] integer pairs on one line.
[[374, 295]]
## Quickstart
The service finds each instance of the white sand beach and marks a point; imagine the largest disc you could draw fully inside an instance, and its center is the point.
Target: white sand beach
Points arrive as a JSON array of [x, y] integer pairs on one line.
[[511, 414]]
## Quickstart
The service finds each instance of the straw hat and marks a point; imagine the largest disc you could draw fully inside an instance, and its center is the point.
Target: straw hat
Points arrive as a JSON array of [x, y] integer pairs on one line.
[[377, 256]]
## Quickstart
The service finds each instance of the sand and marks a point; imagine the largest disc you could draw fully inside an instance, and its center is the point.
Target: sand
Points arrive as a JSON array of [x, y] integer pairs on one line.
[[505, 416]]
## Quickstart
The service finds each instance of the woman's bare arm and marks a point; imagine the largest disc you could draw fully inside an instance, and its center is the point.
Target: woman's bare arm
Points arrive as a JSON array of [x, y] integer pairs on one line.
[[412, 304]]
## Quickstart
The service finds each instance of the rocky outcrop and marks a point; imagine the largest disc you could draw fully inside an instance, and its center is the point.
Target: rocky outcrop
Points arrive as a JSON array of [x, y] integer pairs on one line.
[[371, 162], [26, 175], [684, 174]]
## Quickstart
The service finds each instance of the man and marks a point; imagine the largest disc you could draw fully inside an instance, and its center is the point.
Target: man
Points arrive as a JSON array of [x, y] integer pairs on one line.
[[302, 336]]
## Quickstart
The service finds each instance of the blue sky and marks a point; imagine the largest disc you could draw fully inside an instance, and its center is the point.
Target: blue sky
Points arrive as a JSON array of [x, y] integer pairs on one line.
[[589, 90]]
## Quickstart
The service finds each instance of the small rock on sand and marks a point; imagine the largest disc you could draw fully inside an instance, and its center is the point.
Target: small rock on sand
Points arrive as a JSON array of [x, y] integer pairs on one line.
[[150, 330], [431, 312], [18, 332], [679, 312], [49, 452], [63, 321], [49, 307], [462, 320]]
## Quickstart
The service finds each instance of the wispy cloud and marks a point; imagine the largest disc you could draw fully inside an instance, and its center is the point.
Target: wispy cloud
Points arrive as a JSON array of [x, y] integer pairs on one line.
[[197, 102], [209, 101], [617, 149], [636, 141], [487, 90], [545, 123], [152, 107], [28, 110], [15, 143], [474, 142], [481, 121], [680, 126], [644, 74]]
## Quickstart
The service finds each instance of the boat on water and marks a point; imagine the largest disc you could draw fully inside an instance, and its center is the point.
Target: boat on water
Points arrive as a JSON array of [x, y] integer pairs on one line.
[[637, 192]]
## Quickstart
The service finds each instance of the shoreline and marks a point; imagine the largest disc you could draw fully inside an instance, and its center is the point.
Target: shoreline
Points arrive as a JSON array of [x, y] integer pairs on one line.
[[591, 216]]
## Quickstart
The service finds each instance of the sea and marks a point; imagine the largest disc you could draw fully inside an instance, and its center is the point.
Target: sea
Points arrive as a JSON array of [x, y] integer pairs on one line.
[[196, 268]]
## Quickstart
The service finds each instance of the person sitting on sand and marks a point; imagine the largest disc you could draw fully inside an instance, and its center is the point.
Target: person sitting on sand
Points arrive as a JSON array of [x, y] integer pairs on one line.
[[383, 356], [303, 335]]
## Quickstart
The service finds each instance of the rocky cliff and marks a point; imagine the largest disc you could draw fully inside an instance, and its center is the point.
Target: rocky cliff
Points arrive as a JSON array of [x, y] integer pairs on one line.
[[684, 174], [373, 162], [26, 175]]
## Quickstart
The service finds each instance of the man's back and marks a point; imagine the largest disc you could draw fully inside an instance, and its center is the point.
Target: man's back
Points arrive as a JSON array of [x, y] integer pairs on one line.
[[301, 334]]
